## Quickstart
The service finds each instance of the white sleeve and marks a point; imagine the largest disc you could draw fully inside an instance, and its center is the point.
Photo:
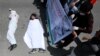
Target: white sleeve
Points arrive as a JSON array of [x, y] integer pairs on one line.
[[75, 28], [75, 8]]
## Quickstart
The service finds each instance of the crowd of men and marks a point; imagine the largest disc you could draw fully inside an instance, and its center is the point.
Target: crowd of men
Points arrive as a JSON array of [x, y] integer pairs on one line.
[[82, 21], [80, 11]]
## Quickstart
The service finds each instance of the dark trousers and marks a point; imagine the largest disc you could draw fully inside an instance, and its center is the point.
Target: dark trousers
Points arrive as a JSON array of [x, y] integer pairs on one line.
[[67, 40]]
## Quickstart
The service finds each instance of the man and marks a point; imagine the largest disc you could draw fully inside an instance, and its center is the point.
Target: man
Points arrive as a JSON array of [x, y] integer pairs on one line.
[[34, 37], [13, 17], [84, 19], [83, 23]]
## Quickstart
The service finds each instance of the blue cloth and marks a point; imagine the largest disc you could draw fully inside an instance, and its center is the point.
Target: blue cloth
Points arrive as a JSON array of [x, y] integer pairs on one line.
[[60, 25]]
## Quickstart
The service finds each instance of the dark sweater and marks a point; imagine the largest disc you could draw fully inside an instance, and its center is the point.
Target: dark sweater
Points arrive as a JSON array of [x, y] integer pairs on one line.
[[84, 22]]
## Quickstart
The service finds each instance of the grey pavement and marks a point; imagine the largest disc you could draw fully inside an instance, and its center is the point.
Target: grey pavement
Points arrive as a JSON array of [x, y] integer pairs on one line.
[[24, 9]]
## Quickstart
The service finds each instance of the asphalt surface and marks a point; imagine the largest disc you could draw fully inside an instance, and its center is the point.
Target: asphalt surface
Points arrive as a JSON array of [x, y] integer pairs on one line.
[[24, 9]]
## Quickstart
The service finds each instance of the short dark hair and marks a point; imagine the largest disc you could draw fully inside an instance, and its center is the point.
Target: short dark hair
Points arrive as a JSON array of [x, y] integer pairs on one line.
[[86, 7], [35, 15]]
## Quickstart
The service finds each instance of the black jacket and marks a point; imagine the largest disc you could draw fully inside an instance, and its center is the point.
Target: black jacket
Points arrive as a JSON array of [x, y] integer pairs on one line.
[[84, 22]]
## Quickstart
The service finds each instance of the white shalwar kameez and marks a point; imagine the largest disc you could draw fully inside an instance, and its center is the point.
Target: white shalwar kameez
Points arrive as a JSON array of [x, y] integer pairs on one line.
[[34, 35], [12, 27]]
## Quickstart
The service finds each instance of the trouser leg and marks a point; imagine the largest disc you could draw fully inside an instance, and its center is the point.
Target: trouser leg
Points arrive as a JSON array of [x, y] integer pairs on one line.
[[11, 38]]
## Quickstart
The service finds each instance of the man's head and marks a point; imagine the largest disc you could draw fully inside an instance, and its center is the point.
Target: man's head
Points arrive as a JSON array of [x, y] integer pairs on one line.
[[33, 16], [86, 7], [10, 9]]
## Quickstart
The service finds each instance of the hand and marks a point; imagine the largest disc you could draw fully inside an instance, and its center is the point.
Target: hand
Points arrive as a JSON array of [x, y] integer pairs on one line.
[[75, 8], [72, 16], [75, 34]]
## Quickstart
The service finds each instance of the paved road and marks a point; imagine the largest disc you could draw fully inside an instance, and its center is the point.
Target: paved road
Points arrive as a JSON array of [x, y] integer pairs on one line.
[[24, 9]]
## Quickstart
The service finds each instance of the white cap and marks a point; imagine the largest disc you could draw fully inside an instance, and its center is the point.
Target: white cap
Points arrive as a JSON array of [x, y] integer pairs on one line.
[[10, 9]]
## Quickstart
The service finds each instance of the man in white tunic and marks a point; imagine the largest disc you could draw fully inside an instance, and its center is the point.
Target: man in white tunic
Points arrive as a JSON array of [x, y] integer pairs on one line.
[[13, 17], [34, 35]]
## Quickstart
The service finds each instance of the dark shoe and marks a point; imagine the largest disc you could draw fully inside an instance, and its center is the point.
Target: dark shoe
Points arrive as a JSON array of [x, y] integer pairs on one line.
[[32, 51], [15, 45], [12, 47], [41, 50]]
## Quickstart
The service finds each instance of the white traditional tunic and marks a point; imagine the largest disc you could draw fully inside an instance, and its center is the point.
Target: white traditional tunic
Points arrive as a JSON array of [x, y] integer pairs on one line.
[[12, 27], [34, 35]]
